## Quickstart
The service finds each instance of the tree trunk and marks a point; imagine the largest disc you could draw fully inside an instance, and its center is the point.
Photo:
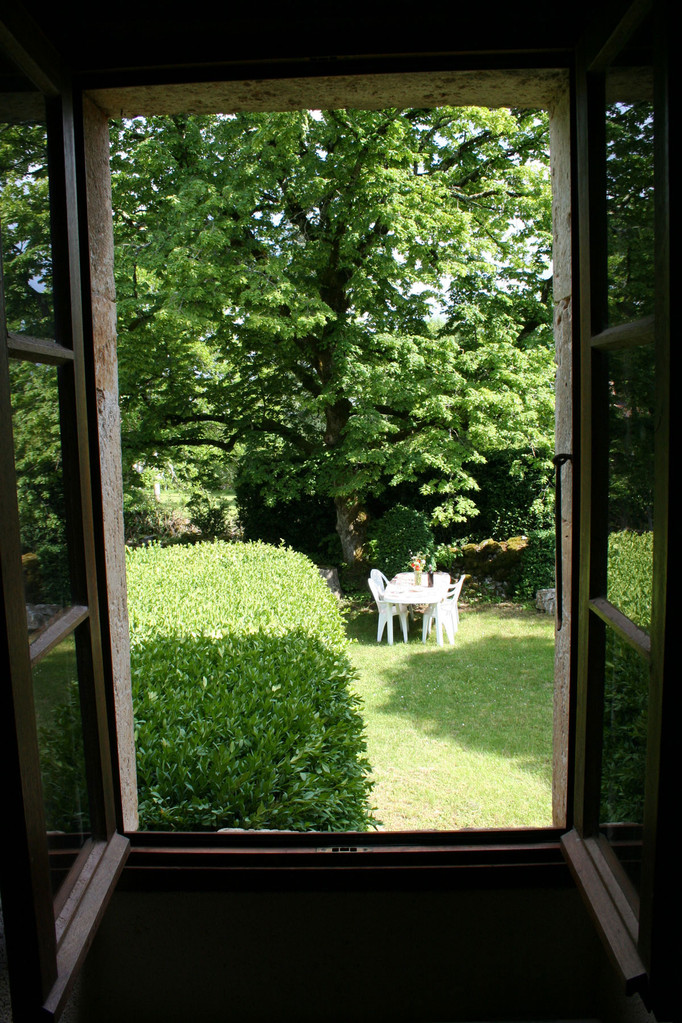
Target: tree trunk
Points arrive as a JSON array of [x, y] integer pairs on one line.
[[351, 525]]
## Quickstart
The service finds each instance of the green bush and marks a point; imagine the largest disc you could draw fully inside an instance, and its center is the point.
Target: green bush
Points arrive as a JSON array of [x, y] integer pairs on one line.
[[626, 692], [212, 514], [515, 494], [630, 574], [62, 764], [307, 524], [626, 682], [242, 689], [144, 518], [537, 566], [398, 534]]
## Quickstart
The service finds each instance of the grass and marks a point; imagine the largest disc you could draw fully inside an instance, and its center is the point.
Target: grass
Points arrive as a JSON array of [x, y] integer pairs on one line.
[[459, 736]]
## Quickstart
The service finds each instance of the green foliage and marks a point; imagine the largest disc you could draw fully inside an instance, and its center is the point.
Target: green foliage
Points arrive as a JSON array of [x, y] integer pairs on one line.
[[631, 371], [27, 292], [145, 519], [398, 534], [212, 514], [630, 574], [626, 683], [515, 496], [242, 688], [630, 211], [445, 556], [537, 566], [626, 695], [632, 445], [306, 524], [40, 481], [62, 766], [25, 219], [276, 275]]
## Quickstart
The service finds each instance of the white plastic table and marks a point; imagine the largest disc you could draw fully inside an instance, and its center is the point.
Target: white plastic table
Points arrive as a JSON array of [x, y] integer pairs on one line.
[[402, 590]]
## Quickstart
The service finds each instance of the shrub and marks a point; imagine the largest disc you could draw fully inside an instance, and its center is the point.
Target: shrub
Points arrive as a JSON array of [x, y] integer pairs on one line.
[[398, 534], [145, 518], [630, 574], [62, 764], [242, 689], [307, 524], [626, 683], [515, 494], [537, 567], [212, 515], [626, 693]]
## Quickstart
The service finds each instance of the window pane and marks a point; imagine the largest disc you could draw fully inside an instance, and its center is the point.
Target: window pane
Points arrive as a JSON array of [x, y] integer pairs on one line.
[[40, 490], [62, 762], [25, 217], [631, 482], [630, 197], [626, 695]]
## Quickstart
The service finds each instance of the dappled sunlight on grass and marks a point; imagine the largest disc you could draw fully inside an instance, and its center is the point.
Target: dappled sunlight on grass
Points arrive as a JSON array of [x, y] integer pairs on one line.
[[460, 736]]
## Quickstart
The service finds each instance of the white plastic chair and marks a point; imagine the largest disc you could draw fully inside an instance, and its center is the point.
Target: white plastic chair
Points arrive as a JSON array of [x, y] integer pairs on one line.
[[387, 611], [381, 583], [379, 579], [445, 613]]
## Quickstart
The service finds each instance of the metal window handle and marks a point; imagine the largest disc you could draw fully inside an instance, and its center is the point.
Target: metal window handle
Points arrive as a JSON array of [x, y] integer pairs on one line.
[[559, 461]]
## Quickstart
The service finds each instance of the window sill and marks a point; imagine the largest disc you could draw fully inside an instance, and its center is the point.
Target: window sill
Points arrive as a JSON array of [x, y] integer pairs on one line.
[[319, 860]]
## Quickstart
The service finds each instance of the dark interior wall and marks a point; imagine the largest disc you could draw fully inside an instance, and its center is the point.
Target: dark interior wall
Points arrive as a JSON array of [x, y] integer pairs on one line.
[[351, 956]]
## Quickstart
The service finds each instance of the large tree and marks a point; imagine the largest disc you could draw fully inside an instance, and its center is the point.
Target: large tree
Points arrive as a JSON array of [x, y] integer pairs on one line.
[[352, 299]]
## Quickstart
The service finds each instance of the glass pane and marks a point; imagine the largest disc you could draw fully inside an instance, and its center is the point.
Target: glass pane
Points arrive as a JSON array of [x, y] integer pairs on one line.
[[62, 762], [630, 195], [40, 490], [25, 216], [631, 482], [626, 695]]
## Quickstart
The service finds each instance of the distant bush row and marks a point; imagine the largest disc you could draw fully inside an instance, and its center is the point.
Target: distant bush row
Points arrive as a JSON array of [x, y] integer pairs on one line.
[[518, 567], [515, 496], [242, 689]]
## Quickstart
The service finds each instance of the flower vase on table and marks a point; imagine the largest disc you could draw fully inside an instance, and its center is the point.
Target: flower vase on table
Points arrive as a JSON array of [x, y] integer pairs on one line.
[[417, 565]]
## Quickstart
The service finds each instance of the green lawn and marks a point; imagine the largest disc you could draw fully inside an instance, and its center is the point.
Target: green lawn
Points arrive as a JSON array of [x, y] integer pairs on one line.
[[459, 736]]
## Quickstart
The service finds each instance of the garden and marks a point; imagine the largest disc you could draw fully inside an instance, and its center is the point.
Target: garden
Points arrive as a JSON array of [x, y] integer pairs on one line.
[[261, 701], [331, 353]]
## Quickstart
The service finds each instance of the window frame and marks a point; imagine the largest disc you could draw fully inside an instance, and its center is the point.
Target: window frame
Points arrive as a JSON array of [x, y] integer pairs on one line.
[[632, 924], [413, 860], [47, 943]]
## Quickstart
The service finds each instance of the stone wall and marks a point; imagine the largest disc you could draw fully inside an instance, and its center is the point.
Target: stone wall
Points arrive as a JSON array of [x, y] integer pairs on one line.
[[490, 565]]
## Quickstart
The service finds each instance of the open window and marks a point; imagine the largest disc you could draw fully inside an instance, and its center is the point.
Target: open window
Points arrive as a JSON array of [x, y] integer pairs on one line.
[[48, 935], [62, 853], [619, 848]]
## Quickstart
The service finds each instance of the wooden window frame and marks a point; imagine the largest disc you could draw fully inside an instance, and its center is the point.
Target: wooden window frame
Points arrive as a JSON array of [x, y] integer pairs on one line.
[[631, 923], [638, 945], [48, 936]]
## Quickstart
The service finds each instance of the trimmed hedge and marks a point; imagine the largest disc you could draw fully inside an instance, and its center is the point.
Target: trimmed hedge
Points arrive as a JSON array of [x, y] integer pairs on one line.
[[242, 690]]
